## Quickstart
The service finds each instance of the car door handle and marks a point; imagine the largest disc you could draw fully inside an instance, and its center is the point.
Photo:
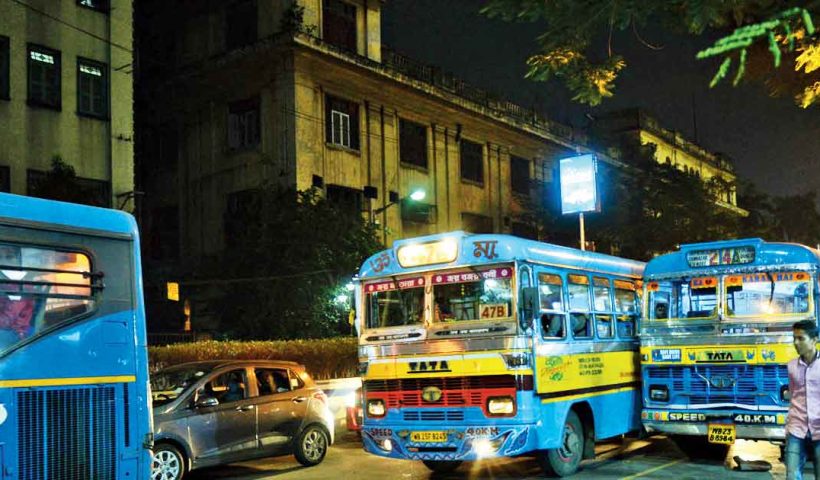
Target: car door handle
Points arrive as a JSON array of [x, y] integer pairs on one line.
[[298, 399], [244, 408]]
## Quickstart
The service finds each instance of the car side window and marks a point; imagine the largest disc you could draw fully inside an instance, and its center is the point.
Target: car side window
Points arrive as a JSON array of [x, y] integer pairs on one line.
[[272, 380], [295, 382], [230, 386]]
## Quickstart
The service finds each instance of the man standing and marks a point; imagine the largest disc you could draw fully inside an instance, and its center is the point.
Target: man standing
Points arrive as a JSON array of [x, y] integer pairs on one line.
[[803, 425]]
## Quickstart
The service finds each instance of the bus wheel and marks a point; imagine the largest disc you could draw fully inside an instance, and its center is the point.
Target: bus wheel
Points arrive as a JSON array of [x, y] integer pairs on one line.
[[168, 463], [699, 448], [441, 466], [564, 460]]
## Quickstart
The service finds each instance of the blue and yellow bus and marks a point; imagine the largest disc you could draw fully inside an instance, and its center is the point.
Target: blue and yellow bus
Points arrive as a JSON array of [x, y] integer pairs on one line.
[[74, 392], [716, 338], [476, 346]]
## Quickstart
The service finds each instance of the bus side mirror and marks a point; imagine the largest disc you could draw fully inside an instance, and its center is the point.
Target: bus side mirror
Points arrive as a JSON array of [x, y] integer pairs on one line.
[[528, 305]]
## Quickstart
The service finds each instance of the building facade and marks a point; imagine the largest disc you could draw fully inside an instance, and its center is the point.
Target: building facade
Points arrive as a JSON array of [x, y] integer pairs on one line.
[[716, 169], [66, 92], [262, 92]]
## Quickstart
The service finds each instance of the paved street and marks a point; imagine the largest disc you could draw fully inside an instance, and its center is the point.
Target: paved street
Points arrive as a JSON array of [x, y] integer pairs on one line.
[[655, 458]]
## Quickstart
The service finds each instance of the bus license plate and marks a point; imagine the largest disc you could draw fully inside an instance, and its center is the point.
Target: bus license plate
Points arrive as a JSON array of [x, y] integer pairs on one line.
[[721, 433], [428, 437]]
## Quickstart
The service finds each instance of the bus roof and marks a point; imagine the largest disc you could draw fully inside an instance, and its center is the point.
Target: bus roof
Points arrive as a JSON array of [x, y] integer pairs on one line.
[[730, 255], [476, 249], [17, 208]]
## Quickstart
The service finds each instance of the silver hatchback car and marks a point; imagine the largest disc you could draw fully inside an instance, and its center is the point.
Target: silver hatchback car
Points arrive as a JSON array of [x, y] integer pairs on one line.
[[215, 412]]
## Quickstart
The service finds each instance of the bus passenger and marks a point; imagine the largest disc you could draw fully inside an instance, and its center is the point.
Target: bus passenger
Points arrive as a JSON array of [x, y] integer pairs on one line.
[[16, 311]]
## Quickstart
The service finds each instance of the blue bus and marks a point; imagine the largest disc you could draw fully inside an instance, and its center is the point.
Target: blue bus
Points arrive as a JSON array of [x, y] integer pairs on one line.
[[479, 346], [74, 391], [716, 338]]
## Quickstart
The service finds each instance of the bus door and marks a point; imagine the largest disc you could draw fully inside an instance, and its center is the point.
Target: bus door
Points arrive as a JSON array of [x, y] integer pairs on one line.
[[550, 330]]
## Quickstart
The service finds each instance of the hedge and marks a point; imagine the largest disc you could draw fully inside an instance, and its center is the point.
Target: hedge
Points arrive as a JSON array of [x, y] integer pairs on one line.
[[323, 358]]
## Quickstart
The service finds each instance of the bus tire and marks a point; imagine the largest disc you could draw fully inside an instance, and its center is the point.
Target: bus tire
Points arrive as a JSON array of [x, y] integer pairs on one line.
[[168, 463], [564, 460], [442, 466], [699, 448]]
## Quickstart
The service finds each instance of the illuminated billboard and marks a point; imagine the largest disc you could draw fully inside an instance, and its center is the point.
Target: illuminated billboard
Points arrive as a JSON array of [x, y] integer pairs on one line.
[[579, 192]]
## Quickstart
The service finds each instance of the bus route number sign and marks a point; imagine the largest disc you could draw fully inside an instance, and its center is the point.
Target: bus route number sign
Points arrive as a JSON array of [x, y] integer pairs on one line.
[[721, 433], [489, 311]]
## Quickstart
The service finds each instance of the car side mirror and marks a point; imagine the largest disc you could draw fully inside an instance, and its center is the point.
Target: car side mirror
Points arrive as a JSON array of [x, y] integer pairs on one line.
[[207, 402]]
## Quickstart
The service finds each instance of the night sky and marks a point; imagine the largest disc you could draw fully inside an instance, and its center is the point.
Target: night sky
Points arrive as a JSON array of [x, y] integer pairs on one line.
[[773, 143]]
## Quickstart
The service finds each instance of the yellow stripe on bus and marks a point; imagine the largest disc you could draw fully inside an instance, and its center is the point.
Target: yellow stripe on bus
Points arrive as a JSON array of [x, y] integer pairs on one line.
[[57, 382]]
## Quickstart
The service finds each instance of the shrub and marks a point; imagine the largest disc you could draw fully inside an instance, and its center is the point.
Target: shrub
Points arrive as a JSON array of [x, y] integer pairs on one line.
[[324, 358]]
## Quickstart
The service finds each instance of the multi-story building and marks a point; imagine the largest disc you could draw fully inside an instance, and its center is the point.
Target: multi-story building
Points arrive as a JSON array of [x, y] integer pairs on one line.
[[66, 91], [305, 94], [672, 148], [263, 92]]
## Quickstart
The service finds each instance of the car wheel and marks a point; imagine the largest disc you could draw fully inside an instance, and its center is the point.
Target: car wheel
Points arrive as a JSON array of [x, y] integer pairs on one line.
[[311, 446], [168, 463], [442, 466], [564, 460]]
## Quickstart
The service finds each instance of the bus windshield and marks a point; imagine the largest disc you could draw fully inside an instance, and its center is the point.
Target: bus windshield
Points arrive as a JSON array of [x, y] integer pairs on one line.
[[395, 303], [783, 293], [687, 298], [472, 295]]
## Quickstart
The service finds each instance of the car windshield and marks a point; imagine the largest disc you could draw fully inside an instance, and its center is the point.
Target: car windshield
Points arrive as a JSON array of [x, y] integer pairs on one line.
[[473, 295], [168, 385]]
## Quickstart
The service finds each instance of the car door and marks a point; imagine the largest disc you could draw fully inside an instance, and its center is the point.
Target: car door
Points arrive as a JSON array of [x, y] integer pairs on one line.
[[225, 431], [282, 406]]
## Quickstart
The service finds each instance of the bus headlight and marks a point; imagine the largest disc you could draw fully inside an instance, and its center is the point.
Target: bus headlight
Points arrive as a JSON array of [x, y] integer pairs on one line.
[[375, 408], [501, 406], [659, 393]]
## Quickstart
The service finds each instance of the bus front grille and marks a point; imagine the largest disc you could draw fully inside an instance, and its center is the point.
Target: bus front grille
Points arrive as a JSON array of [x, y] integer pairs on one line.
[[714, 384], [67, 433]]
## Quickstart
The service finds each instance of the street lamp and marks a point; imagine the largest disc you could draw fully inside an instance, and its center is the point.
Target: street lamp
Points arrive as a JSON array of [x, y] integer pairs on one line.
[[416, 196]]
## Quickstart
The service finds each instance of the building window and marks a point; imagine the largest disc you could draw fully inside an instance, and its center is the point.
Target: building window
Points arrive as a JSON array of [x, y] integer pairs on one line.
[[418, 212], [5, 179], [240, 23], [345, 198], [92, 88], [412, 143], [524, 230], [520, 175], [87, 191], [472, 161], [342, 122], [475, 223], [339, 24], [243, 124], [99, 5], [5, 60], [43, 77]]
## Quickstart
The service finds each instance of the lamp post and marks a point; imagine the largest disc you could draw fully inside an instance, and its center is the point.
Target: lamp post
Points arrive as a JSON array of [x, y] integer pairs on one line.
[[416, 195]]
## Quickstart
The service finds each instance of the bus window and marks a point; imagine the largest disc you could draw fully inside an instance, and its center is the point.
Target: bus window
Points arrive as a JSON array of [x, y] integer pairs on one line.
[[626, 307], [39, 289], [603, 307], [694, 298], [784, 293], [578, 289], [395, 308], [464, 296], [551, 299]]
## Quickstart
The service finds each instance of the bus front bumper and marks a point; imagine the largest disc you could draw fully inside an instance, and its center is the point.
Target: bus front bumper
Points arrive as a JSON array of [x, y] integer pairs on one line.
[[659, 421], [450, 443]]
